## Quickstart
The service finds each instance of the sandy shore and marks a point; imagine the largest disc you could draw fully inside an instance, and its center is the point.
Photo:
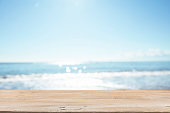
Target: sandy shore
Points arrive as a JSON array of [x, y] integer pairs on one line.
[[84, 101]]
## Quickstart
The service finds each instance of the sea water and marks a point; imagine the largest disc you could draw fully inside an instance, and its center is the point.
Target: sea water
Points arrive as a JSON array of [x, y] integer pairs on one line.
[[86, 76]]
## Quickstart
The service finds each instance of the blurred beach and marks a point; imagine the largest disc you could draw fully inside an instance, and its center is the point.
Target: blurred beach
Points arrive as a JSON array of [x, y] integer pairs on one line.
[[86, 76]]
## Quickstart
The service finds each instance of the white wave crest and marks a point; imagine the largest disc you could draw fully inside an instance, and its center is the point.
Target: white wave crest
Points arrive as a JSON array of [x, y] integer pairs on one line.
[[76, 81]]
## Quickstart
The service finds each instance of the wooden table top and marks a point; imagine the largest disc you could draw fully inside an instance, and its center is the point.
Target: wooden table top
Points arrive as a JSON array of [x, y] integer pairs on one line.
[[84, 101]]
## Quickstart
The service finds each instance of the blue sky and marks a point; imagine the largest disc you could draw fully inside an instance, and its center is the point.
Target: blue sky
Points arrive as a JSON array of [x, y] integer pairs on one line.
[[84, 30]]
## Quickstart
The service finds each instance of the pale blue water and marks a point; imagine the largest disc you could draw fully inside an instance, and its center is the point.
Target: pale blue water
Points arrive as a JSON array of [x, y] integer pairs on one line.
[[94, 75]]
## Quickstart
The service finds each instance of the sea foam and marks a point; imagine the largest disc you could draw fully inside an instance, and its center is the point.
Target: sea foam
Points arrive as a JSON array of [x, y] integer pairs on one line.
[[89, 81]]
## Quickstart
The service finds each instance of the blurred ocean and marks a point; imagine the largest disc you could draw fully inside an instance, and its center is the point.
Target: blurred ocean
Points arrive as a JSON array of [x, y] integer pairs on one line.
[[86, 76]]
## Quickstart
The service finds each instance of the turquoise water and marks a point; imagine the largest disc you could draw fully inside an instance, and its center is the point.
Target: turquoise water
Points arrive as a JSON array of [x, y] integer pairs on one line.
[[92, 75]]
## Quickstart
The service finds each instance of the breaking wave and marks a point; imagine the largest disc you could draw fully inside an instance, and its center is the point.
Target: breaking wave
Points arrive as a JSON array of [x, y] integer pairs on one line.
[[89, 81]]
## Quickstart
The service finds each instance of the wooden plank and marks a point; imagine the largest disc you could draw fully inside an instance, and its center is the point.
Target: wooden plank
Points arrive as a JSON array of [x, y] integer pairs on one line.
[[84, 101]]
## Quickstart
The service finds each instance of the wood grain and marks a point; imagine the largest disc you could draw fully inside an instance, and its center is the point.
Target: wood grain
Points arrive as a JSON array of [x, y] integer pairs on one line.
[[84, 101]]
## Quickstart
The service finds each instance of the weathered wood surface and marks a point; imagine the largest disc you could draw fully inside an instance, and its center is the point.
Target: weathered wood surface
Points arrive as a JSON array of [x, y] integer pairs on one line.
[[84, 101]]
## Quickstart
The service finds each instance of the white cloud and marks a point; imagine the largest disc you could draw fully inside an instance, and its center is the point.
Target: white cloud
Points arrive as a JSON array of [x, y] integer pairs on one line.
[[148, 53], [167, 52], [154, 52]]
